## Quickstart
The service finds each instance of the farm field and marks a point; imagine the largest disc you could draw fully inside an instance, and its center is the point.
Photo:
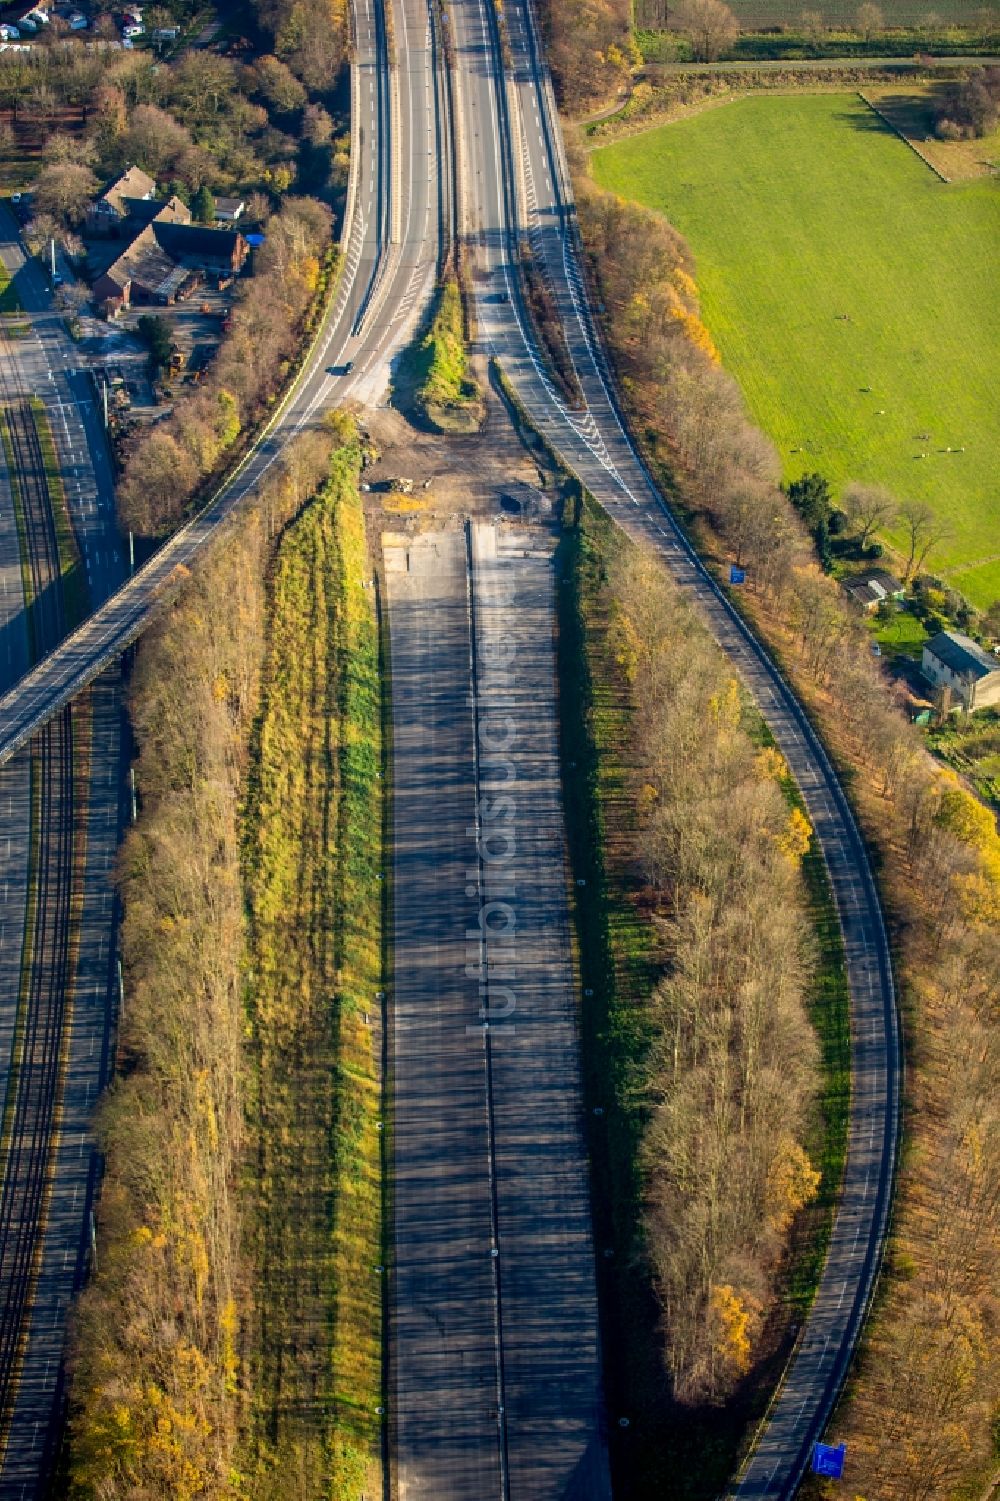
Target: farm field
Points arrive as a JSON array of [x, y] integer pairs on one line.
[[851, 292], [757, 13]]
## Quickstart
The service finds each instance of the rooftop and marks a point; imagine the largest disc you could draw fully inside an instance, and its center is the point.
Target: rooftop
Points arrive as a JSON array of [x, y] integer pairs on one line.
[[872, 586], [145, 210], [962, 655], [196, 240], [144, 262], [133, 183]]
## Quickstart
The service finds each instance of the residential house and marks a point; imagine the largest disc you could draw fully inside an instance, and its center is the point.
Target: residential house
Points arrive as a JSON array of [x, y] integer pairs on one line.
[[228, 210], [954, 661], [109, 214], [869, 590], [142, 211]]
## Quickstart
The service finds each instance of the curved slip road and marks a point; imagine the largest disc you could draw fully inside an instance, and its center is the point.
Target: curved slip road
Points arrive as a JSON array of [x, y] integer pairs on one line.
[[519, 183]]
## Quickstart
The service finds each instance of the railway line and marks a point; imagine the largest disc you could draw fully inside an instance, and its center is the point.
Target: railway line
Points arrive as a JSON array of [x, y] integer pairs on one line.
[[34, 1081]]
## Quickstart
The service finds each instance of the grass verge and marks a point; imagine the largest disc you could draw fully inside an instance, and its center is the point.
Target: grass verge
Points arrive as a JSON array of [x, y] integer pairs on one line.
[[548, 324], [10, 302], [313, 861], [434, 375]]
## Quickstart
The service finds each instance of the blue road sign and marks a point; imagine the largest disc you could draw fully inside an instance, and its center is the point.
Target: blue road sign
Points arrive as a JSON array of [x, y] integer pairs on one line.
[[828, 1460], [737, 575]]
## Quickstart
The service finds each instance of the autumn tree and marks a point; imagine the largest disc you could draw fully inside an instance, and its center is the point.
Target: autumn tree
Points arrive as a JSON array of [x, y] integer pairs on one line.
[[813, 26], [709, 26], [869, 508], [720, 851], [278, 85], [590, 49], [154, 140]]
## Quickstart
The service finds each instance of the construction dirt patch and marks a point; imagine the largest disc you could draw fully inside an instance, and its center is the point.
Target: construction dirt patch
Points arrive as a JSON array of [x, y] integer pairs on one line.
[[421, 478]]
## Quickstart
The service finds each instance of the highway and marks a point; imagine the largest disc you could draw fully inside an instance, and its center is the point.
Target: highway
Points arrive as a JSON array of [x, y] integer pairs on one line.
[[390, 246], [496, 1381], [512, 180], [517, 180]]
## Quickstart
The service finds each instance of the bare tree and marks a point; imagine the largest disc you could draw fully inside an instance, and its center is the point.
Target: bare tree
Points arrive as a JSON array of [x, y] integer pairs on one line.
[[709, 25], [925, 530], [869, 20], [64, 191], [869, 508]]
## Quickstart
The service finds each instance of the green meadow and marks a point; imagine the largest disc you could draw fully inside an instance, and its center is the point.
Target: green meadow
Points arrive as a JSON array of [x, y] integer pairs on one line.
[[854, 295]]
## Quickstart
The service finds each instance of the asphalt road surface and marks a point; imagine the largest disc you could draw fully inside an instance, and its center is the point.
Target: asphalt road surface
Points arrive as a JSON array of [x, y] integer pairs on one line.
[[495, 1362], [513, 181], [517, 182], [391, 252]]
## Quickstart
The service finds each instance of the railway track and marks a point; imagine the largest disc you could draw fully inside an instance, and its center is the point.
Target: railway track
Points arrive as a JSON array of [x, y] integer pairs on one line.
[[35, 1081], [30, 1118]]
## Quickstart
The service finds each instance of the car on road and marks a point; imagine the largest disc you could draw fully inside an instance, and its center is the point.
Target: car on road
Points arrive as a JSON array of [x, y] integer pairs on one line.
[[344, 369]]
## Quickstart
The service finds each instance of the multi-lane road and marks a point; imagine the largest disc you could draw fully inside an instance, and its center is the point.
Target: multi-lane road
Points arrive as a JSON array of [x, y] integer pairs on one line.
[[510, 181], [511, 133], [496, 1389], [391, 248]]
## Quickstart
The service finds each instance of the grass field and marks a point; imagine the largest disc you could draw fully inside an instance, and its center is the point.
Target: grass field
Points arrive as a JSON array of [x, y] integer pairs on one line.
[[851, 292]]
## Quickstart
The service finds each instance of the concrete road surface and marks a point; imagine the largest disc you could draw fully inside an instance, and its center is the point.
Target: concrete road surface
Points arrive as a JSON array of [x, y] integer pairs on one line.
[[496, 1370], [517, 185]]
